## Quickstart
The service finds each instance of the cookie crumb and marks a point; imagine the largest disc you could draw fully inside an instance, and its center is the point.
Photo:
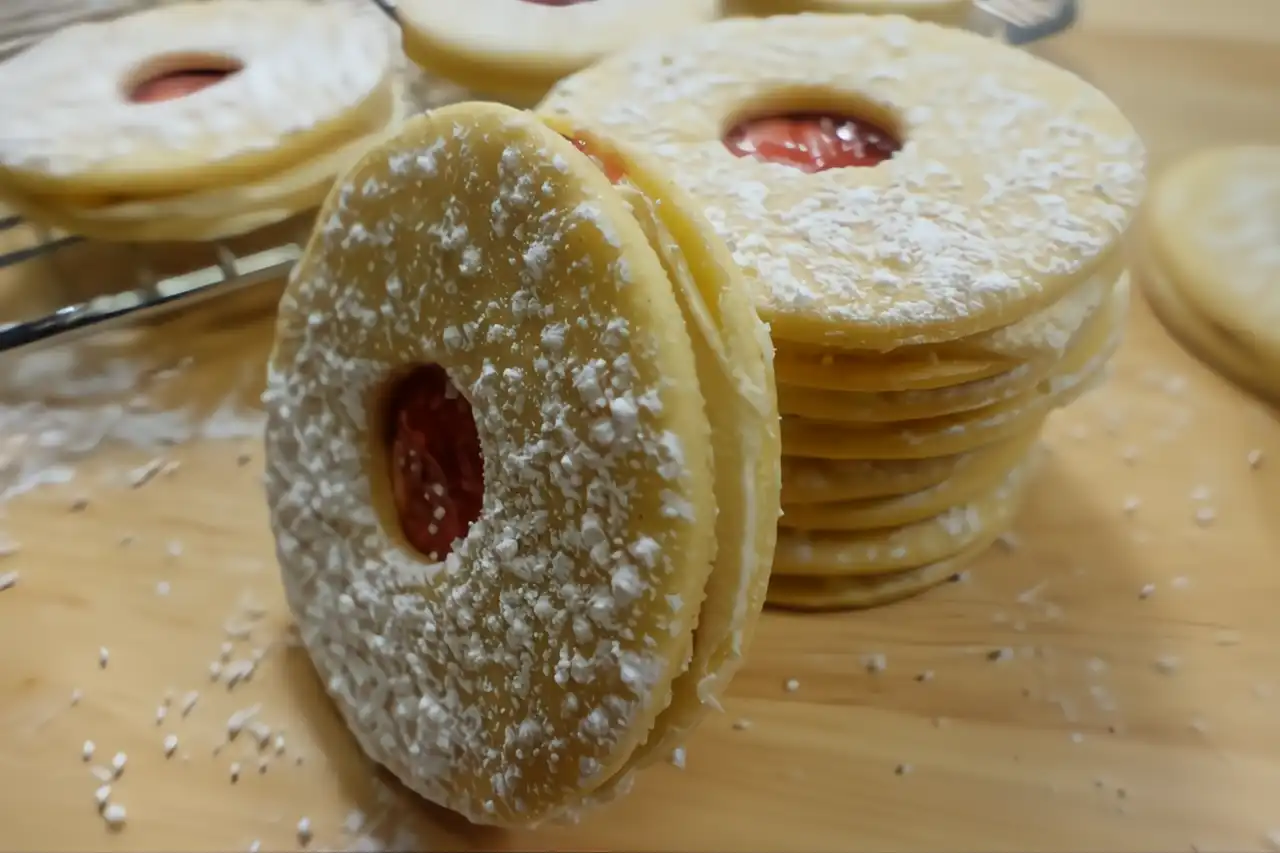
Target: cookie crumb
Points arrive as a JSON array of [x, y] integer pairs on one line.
[[235, 772], [189, 701], [792, 685], [170, 745], [8, 580], [1168, 664], [903, 769], [104, 655], [86, 751], [1205, 516], [999, 655], [876, 662], [1147, 591], [102, 795], [741, 724], [304, 831], [927, 675], [677, 757], [1254, 458], [115, 815]]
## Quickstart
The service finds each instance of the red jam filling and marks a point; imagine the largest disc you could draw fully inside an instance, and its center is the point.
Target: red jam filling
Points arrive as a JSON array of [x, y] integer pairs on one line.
[[813, 143], [177, 84], [612, 167], [437, 472]]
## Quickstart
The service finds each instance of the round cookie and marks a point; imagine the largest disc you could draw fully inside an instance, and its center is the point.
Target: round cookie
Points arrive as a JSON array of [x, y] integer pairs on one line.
[[209, 214], [816, 553], [836, 370], [518, 49], [496, 487], [1212, 235], [857, 592], [952, 434], [187, 97], [733, 355], [873, 513], [995, 182], [899, 406], [825, 481], [953, 12]]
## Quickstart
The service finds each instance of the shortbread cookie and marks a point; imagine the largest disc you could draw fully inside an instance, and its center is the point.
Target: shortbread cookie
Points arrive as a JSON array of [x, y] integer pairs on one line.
[[839, 370], [518, 49], [952, 12], [1211, 241], [952, 434], [939, 187], [900, 406], [188, 97], [809, 481], [855, 592], [815, 553], [494, 434], [872, 513]]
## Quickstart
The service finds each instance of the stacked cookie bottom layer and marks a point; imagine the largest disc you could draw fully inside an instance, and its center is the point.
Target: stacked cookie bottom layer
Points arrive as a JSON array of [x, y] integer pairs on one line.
[[900, 468]]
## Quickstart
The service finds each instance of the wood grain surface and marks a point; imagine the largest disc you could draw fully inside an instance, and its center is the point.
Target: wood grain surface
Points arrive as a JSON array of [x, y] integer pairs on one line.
[[1106, 682]]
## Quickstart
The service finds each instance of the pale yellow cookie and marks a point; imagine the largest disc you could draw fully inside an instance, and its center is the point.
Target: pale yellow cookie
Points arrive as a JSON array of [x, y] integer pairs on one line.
[[856, 592], [1212, 234], [808, 481], [952, 434], [490, 470], [518, 49], [952, 12], [872, 513], [1008, 181], [838, 370], [899, 406], [733, 355], [284, 81], [814, 553]]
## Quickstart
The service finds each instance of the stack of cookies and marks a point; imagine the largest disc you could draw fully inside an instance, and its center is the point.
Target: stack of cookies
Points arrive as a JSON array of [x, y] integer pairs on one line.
[[933, 234]]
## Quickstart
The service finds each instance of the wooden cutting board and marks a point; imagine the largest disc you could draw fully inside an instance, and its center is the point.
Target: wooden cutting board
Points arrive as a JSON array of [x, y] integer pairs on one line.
[[1106, 682]]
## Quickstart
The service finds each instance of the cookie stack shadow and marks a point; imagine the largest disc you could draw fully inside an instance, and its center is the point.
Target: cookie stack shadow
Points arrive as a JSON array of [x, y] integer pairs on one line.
[[899, 468]]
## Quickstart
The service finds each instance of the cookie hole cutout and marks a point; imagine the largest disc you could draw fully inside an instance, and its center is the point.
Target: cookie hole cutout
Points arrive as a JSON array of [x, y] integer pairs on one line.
[[435, 468], [814, 135], [174, 76]]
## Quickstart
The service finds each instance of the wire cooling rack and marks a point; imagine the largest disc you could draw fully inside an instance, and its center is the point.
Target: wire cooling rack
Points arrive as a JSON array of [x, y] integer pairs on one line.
[[1014, 21]]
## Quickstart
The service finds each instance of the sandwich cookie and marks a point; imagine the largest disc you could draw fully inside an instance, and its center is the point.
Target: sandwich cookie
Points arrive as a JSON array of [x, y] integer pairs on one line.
[[1210, 260], [833, 481], [516, 50], [951, 12], [522, 455], [941, 187], [814, 553], [197, 113]]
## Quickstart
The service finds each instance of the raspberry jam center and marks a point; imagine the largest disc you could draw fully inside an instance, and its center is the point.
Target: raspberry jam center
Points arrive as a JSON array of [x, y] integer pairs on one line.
[[437, 472], [813, 142], [612, 167], [179, 77]]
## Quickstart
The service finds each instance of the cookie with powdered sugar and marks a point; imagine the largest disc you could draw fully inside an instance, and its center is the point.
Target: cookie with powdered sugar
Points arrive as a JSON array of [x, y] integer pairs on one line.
[[938, 187], [522, 461]]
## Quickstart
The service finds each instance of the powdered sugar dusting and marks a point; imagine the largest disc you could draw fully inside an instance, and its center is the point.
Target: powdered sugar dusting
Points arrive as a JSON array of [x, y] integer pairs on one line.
[[304, 63], [508, 679], [1015, 177]]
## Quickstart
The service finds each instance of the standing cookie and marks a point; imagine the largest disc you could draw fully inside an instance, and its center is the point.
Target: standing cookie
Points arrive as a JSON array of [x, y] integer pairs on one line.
[[522, 455]]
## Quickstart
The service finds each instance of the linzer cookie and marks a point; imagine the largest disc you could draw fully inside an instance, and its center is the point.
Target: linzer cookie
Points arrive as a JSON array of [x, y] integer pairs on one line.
[[951, 12], [522, 461], [201, 120], [516, 50], [1210, 260], [933, 234]]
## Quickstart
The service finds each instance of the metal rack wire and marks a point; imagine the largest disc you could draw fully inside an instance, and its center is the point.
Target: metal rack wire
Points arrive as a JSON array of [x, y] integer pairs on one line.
[[1014, 21]]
